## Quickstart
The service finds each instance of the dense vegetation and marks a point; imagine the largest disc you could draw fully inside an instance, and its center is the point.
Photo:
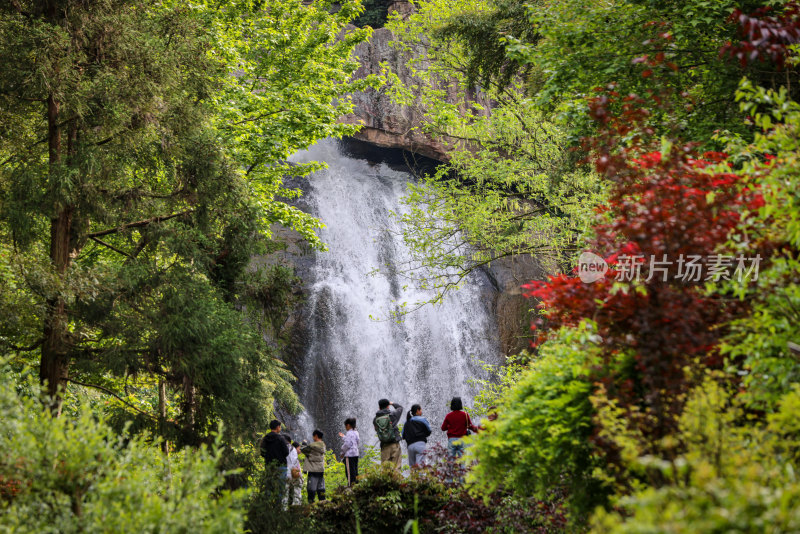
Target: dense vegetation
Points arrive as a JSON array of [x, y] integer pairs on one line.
[[142, 153], [143, 146], [657, 395]]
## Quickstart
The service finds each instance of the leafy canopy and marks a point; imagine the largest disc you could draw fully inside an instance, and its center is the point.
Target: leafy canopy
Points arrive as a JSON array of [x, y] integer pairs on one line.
[[142, 158]]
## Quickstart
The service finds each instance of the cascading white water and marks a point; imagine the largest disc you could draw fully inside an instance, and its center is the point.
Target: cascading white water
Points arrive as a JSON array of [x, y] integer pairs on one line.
[[353, 360]]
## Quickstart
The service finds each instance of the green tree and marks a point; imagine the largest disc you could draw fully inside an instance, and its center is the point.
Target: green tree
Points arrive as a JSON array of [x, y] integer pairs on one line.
[[760, 344], [732, 476], [510, 186], [563, 50], [505, 84], [540, 441], [142, 155]]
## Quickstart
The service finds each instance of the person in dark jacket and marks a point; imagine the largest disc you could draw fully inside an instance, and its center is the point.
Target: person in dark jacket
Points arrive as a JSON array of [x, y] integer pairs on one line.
[[275, 450], [415, 433], [457, 424], [388, 433]]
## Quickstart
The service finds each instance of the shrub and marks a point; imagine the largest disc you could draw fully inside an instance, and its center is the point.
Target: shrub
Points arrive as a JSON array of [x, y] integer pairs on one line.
[[733, 477], [382, 501], [63, 475], [335, 476], [265, 512], [434, 500], [541, 440], [759, 342]]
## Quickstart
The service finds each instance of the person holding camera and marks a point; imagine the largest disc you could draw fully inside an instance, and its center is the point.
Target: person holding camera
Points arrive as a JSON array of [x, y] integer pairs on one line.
[[385, 424]]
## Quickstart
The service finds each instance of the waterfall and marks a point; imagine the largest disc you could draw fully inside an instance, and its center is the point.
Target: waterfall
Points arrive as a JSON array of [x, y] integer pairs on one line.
[[351, 360]]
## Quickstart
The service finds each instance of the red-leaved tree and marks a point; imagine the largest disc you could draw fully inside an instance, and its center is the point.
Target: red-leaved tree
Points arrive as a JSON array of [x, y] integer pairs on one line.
[[662, 234], [765, 36]]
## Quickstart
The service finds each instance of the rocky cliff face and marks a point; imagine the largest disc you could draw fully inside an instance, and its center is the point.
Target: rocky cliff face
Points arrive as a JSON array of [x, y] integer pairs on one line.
[[387, 124], [513, 311]]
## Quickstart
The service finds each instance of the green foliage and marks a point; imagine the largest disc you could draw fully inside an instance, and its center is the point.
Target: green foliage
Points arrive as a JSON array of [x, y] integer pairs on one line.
[[484, 33], [386, 501], [265, 511], [510, 186], [581, 46], [265, 507], [732, 476], [335, 475], [730, 462], [541, 439], [274, 291], [509, 197], [293, 65], [381, 502], [558, 52], [375, 13], [759, 343], [79, 475], [501, 380], [142, 156]]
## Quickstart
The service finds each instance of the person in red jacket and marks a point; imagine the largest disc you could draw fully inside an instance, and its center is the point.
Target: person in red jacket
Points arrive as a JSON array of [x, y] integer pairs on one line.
[[457, 424]]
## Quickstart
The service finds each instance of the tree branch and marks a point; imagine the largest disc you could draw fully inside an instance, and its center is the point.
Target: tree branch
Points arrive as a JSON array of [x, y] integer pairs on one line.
[[24, 349], [109, 246], [139, 248], [138, 224], [109, 392]]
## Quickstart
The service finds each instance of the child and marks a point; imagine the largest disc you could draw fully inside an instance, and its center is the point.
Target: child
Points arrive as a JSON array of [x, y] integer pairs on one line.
[[294, 478], [352, 441], [315, 466]]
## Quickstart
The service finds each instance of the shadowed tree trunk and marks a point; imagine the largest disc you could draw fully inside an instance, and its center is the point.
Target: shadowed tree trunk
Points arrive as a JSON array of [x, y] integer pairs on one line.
[[162, 414], [54, 365]]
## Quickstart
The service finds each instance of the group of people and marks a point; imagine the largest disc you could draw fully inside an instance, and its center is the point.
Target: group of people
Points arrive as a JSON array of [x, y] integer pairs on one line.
[[417, 429], [282, 453]]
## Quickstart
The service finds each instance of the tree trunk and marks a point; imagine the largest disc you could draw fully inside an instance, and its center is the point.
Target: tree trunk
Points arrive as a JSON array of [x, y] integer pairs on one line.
[[162, 414], [189, 434], [54, 365]]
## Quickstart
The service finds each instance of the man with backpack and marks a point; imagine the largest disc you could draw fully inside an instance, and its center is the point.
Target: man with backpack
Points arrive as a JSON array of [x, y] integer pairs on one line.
[[385, 424]]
